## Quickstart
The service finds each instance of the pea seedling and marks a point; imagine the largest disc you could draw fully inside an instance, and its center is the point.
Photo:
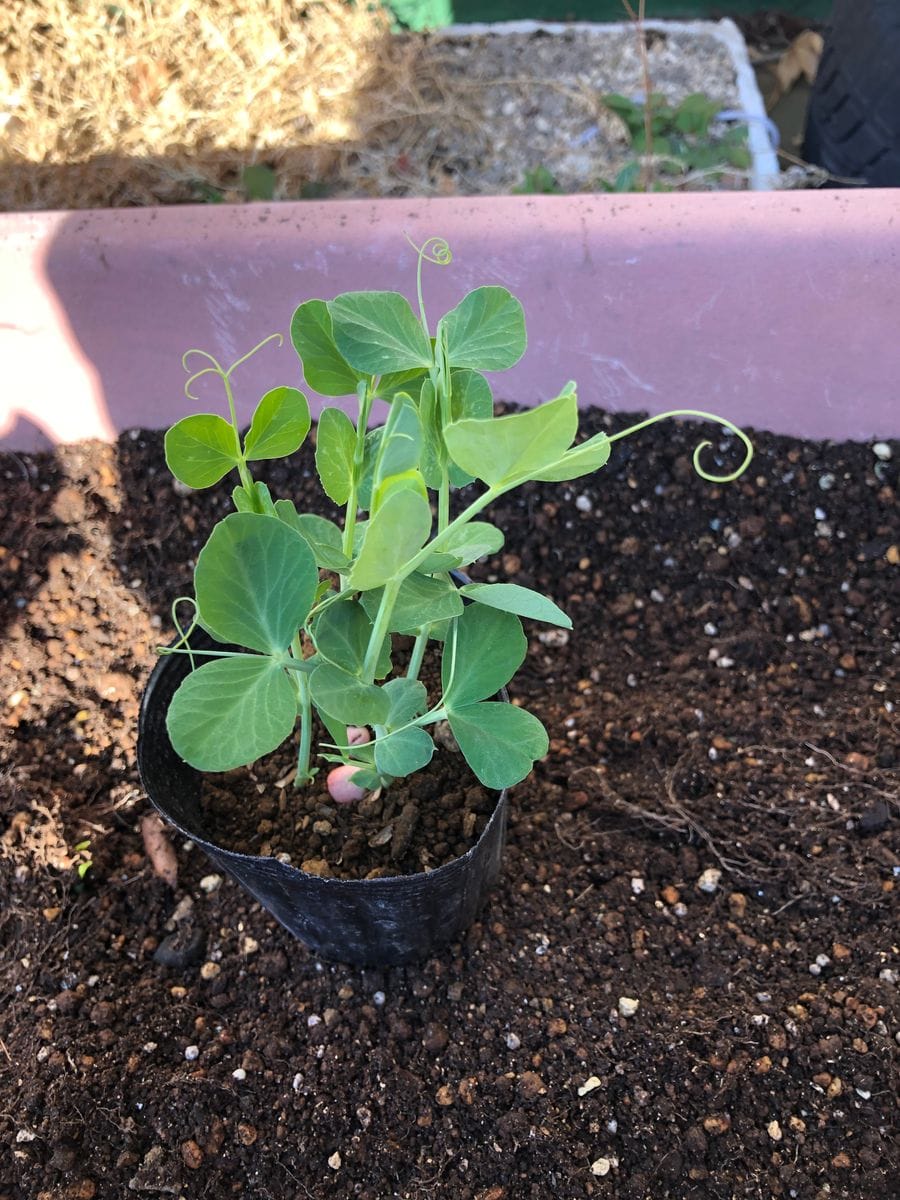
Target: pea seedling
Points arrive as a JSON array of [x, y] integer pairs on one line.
[[306, 609]]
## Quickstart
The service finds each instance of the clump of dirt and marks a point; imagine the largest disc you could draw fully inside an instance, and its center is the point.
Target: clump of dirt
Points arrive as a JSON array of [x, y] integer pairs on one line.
[[685, 984]]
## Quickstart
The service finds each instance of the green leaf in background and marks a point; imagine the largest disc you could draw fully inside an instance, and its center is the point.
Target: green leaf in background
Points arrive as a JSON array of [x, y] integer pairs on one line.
[[432, 440], [694, 113], [370, 458], [408, 699], [401, 381], [279, 425], [421, 600], [202, 449], [470, 399], [506, 449], [489, 648], [377, 333], [255, 582], [335, 444], [400, 447], [230, 712], [324, 537], [403, 752], [342, 635], [512, 598], [324, 367], [580, 460], [469, 543], [396, 533], [499, 741], [259, 182], [346, 698], [255, 499], [486, 330]]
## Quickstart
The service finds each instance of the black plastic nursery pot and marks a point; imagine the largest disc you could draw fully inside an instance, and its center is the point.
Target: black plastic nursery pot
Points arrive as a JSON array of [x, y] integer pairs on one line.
[[383, 922]]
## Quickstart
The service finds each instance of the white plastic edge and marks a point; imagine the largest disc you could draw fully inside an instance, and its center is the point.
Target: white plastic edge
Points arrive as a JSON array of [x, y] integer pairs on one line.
[[763, 159]]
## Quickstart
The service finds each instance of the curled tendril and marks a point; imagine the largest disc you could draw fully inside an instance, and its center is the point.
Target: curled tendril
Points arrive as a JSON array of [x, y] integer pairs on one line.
[[705, 416], [185, 634], [434, 250], [216, 367]]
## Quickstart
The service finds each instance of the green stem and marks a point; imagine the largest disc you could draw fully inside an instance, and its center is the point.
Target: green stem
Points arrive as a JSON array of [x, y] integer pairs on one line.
[[418, 653], [304, 775], [246, 477], [359, 454], [304, 707], [380, 629]]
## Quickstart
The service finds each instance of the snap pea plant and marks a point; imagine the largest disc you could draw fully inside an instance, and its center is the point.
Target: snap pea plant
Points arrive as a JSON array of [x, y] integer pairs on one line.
[[305, 610]]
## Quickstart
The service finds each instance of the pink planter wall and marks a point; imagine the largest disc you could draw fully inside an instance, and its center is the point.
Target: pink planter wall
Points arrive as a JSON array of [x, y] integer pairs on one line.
[[778, 310]]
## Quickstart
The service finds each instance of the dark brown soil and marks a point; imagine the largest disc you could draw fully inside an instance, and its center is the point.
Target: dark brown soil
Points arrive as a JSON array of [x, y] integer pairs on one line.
[[420, 823], [727, 703]]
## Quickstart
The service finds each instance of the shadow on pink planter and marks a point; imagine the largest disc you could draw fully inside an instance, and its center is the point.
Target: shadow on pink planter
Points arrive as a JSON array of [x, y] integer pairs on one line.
[[779, 310]]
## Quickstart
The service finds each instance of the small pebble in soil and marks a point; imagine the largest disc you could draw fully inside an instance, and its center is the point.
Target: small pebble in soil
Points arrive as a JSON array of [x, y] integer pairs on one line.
[[240, 1074], [882, 450], [378, 999], [601, 1166], [191, 1053], [210, 970], [774, 1131], [589, 1085], [210, 883], [709, 880], [637, 885], [513, 1041], [628, 1006], [335, 1161]]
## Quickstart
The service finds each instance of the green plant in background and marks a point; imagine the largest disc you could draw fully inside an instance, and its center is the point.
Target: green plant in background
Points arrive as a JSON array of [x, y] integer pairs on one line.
[[680, 140], [539, 182], [306, 610]]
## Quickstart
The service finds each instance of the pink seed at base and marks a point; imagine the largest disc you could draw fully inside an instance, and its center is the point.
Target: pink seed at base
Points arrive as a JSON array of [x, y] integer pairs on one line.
[[358, 735], [341, 787]]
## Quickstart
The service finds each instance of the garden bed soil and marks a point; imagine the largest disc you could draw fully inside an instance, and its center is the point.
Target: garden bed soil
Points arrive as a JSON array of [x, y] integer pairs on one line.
[[684, 984]]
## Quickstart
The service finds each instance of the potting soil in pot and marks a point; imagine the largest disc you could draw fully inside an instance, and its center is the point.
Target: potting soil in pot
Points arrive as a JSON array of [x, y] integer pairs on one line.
[[685, 984]]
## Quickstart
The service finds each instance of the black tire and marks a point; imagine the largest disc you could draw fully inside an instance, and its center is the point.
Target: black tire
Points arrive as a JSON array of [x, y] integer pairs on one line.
[[853, 126]]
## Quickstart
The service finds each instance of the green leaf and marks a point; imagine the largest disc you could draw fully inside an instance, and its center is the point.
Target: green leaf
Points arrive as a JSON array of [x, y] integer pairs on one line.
[[335, 445], [255, 499], [489, 648], [580, 460], [470, 398], [408, 698], [342, 634], [465, 544], [377, 333], [370, 458], [259, 181], [403, 752], [401, 381], [324, 537], [324, 367], [512, 598], [255, 582], [486, 330], [346, 698], [400, 446], [517, 447], [499, 741], [202, 449], [279, 425], [695, 112], [421, 600], [394, 535], [231, 711]]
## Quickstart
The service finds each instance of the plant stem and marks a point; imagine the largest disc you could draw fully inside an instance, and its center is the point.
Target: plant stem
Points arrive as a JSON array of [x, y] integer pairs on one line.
[[359, 454], [304, 707], [418, 653], [380, 628], [303, 749]]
